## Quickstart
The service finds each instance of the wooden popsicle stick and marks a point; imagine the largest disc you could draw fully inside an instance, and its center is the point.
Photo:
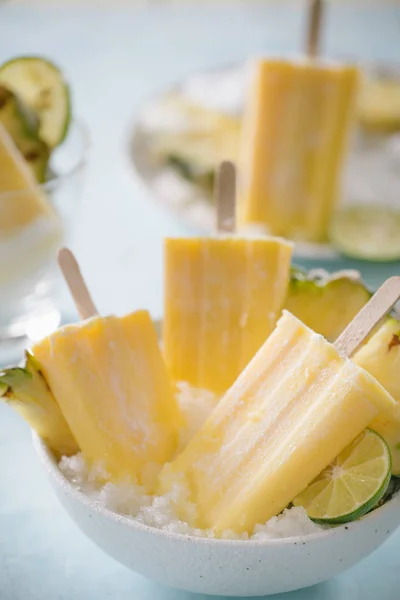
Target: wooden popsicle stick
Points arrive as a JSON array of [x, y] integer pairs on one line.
[[225, 197], [368, 317], [76, 283], [314, 27]]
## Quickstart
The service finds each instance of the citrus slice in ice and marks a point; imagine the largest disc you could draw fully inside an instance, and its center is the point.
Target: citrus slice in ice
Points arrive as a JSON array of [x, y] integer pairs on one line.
[[367, 232], [352, 484], [41, 86]]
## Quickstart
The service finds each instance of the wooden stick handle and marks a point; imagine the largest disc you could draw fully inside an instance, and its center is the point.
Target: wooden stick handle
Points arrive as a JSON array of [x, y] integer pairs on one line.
[[368, 317], [225, 197], [314, 27], [77, 286]]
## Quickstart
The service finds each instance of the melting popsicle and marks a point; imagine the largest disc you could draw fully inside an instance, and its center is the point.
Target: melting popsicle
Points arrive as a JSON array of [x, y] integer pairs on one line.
[[30, 229], [27, 201], [294, 138], [109, 379], [294, 408], [223, 296]]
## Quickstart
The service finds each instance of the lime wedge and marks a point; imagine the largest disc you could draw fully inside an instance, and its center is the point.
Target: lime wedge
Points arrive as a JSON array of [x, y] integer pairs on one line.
[[41, 86], [370, 233], [352, 485], [379, 104]]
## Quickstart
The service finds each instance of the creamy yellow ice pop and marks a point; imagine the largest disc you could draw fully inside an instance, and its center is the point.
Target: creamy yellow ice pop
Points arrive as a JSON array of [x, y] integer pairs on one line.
[[110, 381], [294, 408], [294, 137], [26, 200], [30, 229], [223, 296]]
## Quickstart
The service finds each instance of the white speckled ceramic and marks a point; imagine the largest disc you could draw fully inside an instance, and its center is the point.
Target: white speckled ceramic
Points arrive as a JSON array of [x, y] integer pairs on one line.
[[223, 567]]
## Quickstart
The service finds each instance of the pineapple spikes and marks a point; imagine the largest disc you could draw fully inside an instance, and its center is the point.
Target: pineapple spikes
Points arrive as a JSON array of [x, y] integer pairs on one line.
[[26, 390]]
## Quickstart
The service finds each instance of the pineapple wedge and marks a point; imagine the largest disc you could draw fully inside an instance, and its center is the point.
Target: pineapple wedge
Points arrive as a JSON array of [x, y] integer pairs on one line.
[[326, 302], [110, 381], [381, 357], [26, 391]]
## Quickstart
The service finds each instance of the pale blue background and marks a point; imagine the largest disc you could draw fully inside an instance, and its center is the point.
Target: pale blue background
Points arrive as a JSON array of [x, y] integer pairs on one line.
[[116, 59]]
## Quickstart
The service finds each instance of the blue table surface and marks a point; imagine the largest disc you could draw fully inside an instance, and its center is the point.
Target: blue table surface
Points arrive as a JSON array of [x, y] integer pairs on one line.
[[116, 58]]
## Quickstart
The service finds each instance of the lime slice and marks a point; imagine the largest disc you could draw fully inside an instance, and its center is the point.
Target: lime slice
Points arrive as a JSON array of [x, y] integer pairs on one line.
[[41, 86], [379, 104], [352, 485], [370, 233]]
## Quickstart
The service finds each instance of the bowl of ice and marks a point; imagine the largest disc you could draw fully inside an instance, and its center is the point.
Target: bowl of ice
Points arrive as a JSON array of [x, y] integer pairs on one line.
[[287, 553]]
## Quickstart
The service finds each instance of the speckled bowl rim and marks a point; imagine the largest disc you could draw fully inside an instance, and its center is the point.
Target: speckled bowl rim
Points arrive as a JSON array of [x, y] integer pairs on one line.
[[47, 459]]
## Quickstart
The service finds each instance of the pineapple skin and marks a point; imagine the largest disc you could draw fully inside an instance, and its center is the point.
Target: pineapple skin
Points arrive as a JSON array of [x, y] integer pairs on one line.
[[325, 302], [26, 390], [381, 358]]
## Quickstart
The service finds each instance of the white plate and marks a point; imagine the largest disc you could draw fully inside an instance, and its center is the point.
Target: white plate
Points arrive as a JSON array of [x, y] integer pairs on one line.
[[371, 173]]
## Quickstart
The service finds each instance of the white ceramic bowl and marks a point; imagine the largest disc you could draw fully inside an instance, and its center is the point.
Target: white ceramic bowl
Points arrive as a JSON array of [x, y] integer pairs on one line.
[[223, 567]]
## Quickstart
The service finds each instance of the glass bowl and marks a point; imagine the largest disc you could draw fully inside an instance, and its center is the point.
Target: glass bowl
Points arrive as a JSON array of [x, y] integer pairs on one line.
[[28, 245]]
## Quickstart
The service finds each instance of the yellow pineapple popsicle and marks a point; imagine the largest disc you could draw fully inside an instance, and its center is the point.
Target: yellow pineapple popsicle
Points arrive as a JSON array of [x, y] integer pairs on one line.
[[223, 296], [110, 381], [26, 202], [292, 410], [30, 230], [294, 137]]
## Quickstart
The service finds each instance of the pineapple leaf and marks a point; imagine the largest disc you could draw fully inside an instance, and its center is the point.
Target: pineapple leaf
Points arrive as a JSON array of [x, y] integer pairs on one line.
[[27, 391], [14, 377]]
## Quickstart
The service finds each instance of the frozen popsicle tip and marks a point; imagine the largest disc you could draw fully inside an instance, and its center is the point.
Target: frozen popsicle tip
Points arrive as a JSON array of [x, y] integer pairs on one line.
[[299, 60], [110, 382], [258, 231], [253, 230]]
